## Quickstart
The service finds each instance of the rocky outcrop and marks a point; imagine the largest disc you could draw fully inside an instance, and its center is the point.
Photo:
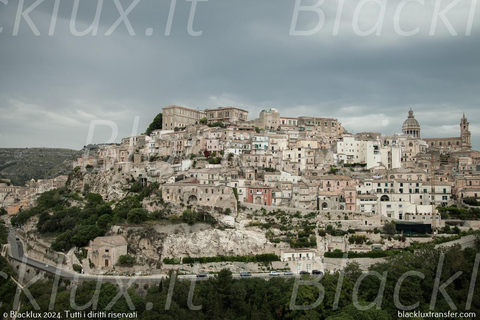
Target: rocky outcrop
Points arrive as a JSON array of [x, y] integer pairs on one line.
[[209, 243], [109, 184], [151, 244]]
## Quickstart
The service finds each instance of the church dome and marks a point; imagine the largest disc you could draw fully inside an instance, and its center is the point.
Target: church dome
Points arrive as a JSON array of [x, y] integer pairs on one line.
[[411, 125]]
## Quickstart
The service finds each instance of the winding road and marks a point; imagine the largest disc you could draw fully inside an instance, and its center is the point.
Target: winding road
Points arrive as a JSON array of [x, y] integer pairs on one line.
[[17, 253]]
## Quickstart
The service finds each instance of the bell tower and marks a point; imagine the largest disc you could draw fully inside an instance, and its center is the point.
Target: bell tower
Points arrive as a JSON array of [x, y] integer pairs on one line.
[[465, 133]]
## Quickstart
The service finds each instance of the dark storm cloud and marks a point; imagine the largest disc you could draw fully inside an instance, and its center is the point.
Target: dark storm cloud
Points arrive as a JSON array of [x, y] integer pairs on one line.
[[52, 87]]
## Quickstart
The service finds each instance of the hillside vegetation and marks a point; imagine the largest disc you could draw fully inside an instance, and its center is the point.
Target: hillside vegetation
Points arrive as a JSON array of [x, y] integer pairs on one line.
[[21, 165]]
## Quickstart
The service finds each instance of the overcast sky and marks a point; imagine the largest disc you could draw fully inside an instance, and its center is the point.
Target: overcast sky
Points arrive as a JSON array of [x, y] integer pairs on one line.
[[53, 86]]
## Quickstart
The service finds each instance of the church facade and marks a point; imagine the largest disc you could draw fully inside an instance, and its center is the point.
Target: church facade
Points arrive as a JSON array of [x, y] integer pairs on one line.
[[411, 127]]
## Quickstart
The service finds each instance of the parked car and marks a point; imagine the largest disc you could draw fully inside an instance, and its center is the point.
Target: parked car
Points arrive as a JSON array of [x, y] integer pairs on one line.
[[288, 273], [304, 272], [317, 272], [202, 275], [274, 273], [245, 274]]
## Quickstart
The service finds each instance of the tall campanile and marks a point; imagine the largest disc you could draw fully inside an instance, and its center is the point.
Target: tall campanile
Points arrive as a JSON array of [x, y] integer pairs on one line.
[[465, 133]]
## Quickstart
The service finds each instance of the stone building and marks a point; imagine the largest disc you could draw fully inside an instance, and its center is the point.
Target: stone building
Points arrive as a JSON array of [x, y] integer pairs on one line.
[[226, 115], [192, 193], [268, 119], [105, 251], [180, 117], [411, 127], [321, 126], [467, 186], [288, 121], [462, 142], [258, 194]]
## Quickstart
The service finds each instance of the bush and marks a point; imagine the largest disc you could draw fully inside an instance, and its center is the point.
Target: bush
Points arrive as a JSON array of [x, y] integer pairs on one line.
[[190, 216], [471, 201], [390, 228], [171, 260], [137, 216], [217, 124], [77, 268], [356, 239], [264, 258], [371, 254], [126, 261], [214, 160]]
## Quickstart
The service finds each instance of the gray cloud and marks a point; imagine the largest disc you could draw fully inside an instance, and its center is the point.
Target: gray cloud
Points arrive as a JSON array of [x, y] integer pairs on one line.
[[53, 86]]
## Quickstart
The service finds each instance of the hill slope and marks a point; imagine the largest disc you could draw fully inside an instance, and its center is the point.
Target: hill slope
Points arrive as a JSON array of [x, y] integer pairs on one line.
[[24, 164]]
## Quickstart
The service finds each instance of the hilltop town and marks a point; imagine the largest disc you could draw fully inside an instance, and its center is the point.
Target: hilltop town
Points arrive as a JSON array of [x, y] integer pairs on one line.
[[213, 184]]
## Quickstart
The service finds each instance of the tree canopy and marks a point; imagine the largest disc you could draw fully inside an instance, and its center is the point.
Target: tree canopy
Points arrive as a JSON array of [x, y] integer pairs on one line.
[[226, 297], [155, 125]]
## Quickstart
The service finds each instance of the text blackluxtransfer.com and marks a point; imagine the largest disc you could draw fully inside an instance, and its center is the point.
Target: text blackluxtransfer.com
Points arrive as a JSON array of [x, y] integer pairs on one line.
[[431, 314]]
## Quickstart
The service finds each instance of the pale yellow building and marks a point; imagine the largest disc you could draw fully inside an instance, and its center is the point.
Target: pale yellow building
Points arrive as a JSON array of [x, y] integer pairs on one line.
[[226, 115], [180, 117]]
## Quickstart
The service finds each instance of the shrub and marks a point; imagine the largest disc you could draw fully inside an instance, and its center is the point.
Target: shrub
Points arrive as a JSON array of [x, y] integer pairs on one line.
[[77, 268], [471, 201], [390, 228], [137, 215], [371, 254], [126, 261], [264, 258]]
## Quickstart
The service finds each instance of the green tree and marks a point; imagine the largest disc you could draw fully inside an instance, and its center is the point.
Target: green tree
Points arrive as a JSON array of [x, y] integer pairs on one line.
[[224, 286], [126, 260], [94, 199], [63, 241], [155, 125], [390, 228], [471, 201], [104, 220], [189, 216], [203, 121], [137, 215]]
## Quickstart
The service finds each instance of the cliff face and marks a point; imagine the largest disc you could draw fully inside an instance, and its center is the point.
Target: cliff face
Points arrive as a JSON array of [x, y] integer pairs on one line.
[[109, 184], [210, 243], [151, 244]]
